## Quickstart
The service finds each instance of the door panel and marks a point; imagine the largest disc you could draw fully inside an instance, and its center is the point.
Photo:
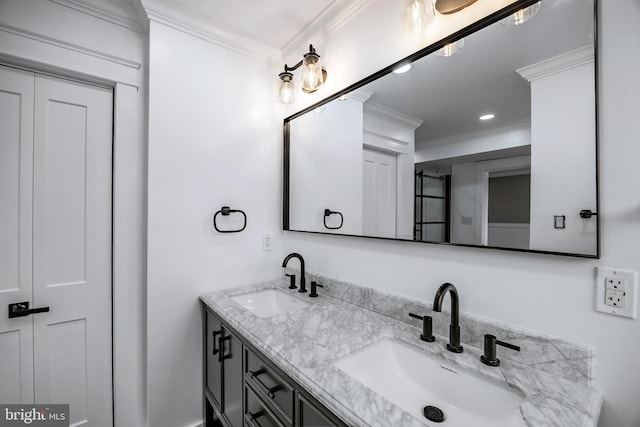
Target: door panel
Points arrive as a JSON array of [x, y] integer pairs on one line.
[[72, 248], [68, 366], [16, 172], [65, 193], [379, 194]]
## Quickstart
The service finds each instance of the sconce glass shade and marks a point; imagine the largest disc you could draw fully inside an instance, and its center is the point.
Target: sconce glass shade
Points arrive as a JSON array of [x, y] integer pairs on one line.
[[417, 15], [451, 48], [286, 91], [312, 73], [521, 16]]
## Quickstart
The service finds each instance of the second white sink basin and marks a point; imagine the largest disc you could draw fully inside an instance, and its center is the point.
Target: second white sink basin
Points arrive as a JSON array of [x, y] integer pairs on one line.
[[269, 302], [413, 379]]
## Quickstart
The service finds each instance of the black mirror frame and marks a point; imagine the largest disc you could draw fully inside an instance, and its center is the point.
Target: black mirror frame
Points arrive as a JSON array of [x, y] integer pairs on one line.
[[464, 32]]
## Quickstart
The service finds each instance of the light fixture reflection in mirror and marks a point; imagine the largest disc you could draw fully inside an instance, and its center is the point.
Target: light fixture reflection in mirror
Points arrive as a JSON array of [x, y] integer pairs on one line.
[[417, 15], [451, 48], [402, 69], [521, 16]]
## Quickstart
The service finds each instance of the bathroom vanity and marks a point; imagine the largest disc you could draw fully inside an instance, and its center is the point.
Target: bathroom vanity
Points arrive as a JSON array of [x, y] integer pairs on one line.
[[243, 387], [353, 356]]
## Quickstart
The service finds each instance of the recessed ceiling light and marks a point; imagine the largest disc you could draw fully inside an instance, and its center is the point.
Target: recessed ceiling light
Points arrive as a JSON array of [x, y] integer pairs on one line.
[[487, 116], [402, 68]]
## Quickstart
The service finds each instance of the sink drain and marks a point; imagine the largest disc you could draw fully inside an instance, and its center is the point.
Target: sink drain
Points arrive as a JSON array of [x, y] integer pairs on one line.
[[433, 414]]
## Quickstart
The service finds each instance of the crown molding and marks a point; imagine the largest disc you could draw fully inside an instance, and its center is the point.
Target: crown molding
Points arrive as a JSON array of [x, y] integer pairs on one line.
[[386, 113], [336, 16], [361, 94], [114, 12], [204, 28], [519, 126], [377, 140], [558, 64]]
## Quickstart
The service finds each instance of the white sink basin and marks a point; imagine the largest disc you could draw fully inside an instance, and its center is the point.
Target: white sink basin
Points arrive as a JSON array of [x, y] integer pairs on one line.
[[269, 302], [413, 379]]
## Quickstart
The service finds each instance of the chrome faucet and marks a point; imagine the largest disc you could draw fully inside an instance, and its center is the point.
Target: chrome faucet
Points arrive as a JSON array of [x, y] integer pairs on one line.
[[454, 328], [303, 287]]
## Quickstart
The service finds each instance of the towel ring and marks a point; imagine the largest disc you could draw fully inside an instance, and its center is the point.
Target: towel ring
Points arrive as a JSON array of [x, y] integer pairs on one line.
[[226, 211], [329, 212]]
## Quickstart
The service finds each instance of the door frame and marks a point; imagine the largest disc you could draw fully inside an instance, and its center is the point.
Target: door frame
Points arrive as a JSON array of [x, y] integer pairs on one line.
[[61, 59]]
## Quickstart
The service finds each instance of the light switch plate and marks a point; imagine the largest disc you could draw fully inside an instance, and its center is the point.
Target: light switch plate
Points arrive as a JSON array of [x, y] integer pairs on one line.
[[616, 292]]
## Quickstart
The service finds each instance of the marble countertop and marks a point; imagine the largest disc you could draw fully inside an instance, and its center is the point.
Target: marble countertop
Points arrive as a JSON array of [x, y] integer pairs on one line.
[[305, 343]]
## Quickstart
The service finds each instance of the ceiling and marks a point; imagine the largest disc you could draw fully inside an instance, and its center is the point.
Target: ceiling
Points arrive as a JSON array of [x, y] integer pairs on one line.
[[274, 22]]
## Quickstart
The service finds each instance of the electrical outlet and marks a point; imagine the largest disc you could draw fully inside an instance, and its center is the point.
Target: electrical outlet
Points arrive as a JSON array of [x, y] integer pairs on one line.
[[614, 298], [616, 292], [267, 241]]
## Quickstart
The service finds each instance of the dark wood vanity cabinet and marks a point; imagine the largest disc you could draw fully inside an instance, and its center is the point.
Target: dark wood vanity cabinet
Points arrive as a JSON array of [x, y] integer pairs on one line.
[[223, 382], [242, 388]]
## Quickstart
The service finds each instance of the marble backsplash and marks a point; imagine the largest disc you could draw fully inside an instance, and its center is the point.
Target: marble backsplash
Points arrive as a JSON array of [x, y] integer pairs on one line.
[[551, 355]]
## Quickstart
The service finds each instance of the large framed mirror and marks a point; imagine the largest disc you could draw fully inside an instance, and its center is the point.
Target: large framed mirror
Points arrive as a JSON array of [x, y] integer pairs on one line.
[[489, 140]]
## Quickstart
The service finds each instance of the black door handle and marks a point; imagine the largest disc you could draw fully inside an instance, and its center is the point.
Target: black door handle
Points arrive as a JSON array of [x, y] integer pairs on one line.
[[213, 336], [21, 309], [221, 355], [586, 213]]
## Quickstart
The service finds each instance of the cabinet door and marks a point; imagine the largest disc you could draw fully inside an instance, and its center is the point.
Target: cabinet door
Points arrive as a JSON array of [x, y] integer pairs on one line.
[[214, 367], [231, 357], [311, 414]]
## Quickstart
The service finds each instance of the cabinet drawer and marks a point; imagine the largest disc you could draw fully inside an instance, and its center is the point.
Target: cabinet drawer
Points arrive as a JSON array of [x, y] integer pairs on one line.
[[269, 386], [257, 414]]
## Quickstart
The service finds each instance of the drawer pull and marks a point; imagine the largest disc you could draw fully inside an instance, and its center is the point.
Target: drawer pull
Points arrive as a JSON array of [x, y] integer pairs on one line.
[[221, 341], [254, 417], [270, 391], [214, 334]]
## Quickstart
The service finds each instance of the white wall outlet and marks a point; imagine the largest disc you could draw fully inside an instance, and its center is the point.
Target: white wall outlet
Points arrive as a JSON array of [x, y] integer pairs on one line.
[[267, 242], [616, 292]]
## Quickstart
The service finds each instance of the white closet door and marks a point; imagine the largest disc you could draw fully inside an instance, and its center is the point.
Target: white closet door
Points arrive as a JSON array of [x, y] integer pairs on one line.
[[379, 194], [72, 248], [16, 171]]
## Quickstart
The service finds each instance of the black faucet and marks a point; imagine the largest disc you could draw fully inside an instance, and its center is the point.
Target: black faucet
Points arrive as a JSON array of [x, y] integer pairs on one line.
[[454, 328], [303, 287]]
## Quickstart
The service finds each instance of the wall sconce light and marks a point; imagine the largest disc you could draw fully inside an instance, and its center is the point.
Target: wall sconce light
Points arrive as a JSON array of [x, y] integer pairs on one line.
[[312, 78], [417, 15], [447, 7], [521, 16]]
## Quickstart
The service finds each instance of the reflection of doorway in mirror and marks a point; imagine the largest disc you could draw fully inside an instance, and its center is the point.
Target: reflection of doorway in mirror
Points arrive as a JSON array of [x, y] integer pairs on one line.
[[499, 234], [509, 209], [379, 193]]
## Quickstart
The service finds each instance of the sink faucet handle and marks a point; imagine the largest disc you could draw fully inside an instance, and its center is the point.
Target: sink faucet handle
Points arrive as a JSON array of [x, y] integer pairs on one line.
[[427, 327], [490, 356], [314, 289], [292, 280]]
